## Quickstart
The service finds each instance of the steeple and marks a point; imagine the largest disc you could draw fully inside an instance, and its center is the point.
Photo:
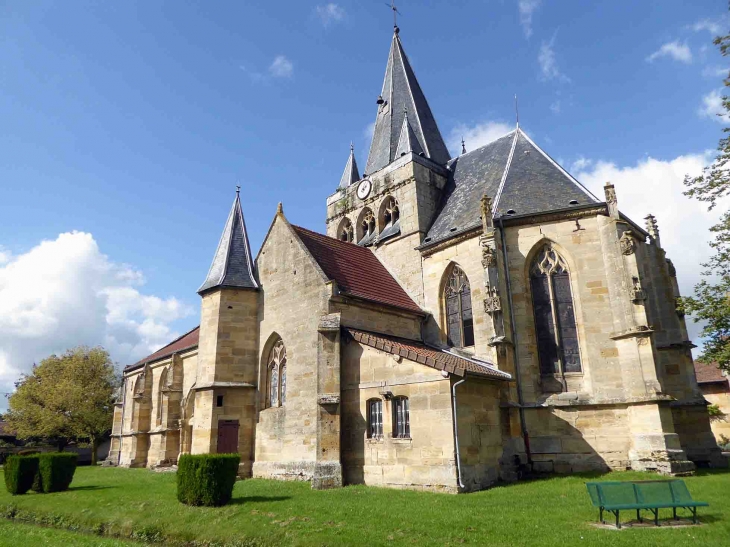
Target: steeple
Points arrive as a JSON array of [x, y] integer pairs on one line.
[[351, 173], [401, 92], [232, 265]]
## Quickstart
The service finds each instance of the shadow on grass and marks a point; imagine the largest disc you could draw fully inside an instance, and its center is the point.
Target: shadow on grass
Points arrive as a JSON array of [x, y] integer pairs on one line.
[[256, 499], [90, 487]]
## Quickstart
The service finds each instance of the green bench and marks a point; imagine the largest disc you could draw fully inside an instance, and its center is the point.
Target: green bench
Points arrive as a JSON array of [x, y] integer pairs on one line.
[[617, 496]]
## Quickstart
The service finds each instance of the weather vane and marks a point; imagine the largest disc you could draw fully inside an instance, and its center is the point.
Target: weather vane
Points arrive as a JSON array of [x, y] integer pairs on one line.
[[396, 13]]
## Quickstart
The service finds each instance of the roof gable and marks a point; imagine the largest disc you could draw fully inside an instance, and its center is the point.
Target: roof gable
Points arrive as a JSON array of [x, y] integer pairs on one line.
[[356, 270]]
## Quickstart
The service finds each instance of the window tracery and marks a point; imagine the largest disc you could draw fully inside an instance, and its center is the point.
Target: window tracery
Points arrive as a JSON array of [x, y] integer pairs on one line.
[[390, 213], [552, 299], [459, 318], [366, 228], [347, 232], [276, 374]]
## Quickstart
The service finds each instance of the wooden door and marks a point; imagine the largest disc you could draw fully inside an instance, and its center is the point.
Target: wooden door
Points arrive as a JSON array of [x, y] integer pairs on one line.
[[227, 436]]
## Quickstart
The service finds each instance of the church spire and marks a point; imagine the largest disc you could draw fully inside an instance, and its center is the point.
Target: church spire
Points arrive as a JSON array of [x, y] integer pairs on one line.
[[407, 142], [402, 92], [351, 173], [232, 265]]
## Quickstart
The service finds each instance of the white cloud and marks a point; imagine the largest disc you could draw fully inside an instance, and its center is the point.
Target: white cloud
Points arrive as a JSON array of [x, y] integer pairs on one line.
[[65, 292], [369, 131], [548, 62], [555, 107], [281, 67], [713, 27], [674, 50], [329, 13], [475, 136], [712, 107], [579, 165], [656, 186], [527, 8], [715, 71]]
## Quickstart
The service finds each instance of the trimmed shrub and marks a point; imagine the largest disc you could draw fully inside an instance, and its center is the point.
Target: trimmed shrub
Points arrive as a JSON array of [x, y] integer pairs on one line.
[[20, 472], [206, 479], [55, 471]]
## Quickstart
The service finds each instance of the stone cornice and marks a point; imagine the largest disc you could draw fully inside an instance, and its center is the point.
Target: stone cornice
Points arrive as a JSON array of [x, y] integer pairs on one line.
[[213, 385], [458, 237]]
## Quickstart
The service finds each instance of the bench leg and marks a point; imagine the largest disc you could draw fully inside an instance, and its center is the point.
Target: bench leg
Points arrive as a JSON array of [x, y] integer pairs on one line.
[[638, 515], [674, 513], [656, 516], [694, 514], [600, 515], [618, 519]]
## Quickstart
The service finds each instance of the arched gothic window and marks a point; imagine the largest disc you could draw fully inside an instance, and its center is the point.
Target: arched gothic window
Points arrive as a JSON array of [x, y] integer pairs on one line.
[[347, 232], [160, 392], [366, 227], [276, 375], [552, 302], [459, 320], [389, 213]]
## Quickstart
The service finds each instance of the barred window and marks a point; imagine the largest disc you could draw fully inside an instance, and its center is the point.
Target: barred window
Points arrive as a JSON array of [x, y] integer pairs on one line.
[[276, 375], [401, 418], [459, 319], [375, 418], [552, 300]]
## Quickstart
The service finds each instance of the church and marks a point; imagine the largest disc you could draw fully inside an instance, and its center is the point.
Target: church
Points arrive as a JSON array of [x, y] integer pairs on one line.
[[464, 320]]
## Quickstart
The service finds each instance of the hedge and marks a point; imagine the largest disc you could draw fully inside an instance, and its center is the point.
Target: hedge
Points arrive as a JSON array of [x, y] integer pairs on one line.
[[20, 472], [55, 471], [206, 479]]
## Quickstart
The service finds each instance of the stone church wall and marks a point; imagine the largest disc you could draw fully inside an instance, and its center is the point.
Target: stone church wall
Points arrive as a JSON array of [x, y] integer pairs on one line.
[[294, 294], [423, 462]]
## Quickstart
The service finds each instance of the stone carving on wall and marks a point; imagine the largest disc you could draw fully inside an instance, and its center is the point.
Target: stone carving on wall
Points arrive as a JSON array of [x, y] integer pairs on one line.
[[139, 386], [610, 191], [492, 302], [489, 256], [636, 292], [486, 211], [628, 243]]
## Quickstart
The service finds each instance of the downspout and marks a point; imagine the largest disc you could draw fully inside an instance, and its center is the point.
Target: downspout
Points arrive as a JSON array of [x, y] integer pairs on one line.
[[456, 430], [520, 400], [121, 425]]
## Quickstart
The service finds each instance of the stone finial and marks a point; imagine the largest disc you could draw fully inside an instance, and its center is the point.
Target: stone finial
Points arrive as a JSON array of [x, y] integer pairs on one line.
[[627, 243], [653, 229], [280, 209], [486, 209], [463, 146], [611, 200]]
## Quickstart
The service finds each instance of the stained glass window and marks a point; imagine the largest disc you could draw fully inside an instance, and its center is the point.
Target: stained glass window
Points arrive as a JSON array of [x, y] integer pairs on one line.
[[277, 374], [459, 319]]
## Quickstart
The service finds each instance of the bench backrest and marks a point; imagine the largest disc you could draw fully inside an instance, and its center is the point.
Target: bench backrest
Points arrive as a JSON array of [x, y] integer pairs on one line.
[[679, 491], [617, 493], [654, 492]]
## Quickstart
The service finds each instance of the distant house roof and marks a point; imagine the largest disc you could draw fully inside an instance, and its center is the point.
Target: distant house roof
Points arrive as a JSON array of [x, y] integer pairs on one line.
[[189, 340], [356, 270], [512, 170], [439, 359], [709, 373]]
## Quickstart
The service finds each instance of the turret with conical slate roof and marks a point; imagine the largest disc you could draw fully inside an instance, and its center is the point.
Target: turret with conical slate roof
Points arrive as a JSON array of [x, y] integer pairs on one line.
[[232, 265], [401, 93], [351, 174]]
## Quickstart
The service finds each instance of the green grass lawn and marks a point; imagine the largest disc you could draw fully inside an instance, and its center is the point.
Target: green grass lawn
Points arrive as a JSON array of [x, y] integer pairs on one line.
[[14, 534], [141, 505]]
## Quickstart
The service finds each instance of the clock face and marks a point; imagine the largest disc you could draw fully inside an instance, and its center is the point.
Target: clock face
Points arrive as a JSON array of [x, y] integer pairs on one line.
[[363, 190]]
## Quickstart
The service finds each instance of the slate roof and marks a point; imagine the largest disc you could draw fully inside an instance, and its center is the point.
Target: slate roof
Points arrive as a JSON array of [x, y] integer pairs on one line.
[[232, 264], [356, 270], [709, 373], [351, 174], [401, 92], [517, 174], [187, 341], [426, 355]]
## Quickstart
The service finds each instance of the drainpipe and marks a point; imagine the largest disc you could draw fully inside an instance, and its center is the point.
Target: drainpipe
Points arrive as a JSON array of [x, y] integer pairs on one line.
[[121, 425], [456, 430], [520, 400]]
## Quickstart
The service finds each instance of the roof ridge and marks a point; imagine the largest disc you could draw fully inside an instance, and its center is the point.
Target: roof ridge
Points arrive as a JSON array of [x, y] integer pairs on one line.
[[453, 160], [506, 171], [175, 340]]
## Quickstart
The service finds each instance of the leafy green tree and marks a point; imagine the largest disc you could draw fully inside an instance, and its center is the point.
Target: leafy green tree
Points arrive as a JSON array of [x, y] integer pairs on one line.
[[711, 301], [65, 398]]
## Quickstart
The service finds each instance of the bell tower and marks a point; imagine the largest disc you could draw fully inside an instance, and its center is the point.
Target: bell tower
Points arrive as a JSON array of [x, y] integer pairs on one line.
[[391, 207]]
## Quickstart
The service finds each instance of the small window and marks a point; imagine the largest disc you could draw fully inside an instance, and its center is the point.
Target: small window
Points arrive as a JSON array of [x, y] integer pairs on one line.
[[401, 418], [219, 401], [375, 419]]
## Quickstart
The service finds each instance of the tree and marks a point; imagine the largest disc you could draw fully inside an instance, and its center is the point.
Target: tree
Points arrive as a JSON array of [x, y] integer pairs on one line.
[[711, 301], [67, 397]]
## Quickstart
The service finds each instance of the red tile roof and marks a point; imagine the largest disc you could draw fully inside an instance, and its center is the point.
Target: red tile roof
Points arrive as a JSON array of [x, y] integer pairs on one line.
[[188, 340], [357, 270], [708, 373], [426, 355]]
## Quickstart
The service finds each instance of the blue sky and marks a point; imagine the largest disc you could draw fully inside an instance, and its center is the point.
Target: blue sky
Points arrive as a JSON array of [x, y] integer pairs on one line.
[[127, 125]]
